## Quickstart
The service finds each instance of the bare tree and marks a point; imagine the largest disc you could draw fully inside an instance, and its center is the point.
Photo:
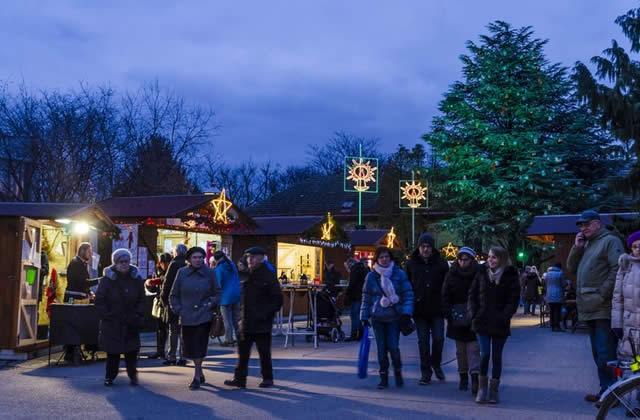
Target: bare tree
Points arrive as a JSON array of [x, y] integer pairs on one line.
[[328, 158]]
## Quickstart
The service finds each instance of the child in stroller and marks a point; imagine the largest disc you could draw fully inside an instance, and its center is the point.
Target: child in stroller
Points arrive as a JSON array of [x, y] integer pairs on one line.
[[328, 318]]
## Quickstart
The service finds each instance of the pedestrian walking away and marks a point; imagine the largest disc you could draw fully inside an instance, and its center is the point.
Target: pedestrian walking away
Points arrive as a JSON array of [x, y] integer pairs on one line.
[[387, 305], [594, 259], [455, 297], [555, 284], [260, 300], [120, 305], [493, 300], [170, 318], [195, 295], [227, 275], [426, 270], [158, 311], [357, 274], [531, 292]]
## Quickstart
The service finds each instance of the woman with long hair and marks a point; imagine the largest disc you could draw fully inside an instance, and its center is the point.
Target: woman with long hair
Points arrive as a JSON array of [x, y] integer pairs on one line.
[[493, 300]]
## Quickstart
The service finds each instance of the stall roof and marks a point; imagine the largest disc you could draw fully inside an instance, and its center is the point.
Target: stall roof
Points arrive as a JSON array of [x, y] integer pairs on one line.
[[566, 223], [287, 225], [42, 210], [367, 237], [154, 205]]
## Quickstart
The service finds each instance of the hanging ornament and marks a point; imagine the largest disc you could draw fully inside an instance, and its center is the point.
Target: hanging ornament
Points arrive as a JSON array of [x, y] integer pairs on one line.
[[533, 154], [560, 141], [504, 108], [493, 167]]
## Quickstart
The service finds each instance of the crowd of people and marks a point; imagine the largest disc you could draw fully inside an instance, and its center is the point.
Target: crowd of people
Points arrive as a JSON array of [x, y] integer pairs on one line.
[[466, 301]]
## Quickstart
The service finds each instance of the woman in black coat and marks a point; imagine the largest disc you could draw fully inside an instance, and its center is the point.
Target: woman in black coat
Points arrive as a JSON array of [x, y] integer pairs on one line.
[[120, 304], [455, 297], [493, 300], [531, 294], [155, 287]]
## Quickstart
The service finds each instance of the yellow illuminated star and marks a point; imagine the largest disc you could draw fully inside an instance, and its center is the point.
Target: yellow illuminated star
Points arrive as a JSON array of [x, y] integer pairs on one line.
[[361, 173], [390, 238], [221, 206], [450, 251], [326, 229], [414, 192]]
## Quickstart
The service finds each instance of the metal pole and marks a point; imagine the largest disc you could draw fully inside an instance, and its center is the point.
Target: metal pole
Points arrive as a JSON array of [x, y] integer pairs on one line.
[[413, 219], [360, 196]]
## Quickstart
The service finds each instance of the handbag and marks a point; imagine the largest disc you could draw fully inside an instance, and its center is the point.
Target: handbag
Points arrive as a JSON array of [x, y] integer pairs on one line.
[[217, 325], [157, 309], [363, 355], [459, 315]]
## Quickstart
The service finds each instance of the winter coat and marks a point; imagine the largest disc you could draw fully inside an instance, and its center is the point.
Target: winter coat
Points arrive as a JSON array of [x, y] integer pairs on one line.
[[177, 263], [596, 266], [531, 284], [427, 278], [555, 282], [625, 312], [372, 293], [455, 291], [120, 305], [227, 275], [357, 274], [491, 306], [78, 276], [331, 278], [260, 300], [195, 295]]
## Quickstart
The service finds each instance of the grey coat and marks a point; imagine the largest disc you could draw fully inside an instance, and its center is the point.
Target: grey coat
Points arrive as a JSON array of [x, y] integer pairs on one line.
[[555, 283], [194, 295]]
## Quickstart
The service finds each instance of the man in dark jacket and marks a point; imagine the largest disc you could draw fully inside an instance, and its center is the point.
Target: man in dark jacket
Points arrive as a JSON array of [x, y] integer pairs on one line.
[[331, 277], [172, 319], [426, 271], [261, 298], [357, 274]]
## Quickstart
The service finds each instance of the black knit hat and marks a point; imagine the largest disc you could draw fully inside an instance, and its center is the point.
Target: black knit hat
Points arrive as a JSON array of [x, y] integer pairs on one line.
[[425, 238]]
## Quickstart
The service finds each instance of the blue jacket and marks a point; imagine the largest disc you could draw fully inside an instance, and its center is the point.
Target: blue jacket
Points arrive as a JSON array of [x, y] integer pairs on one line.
[[227, 275], [372, 293], [555, 282]]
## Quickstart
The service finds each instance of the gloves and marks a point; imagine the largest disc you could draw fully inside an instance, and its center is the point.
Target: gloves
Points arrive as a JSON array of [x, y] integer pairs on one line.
[[618, 332], [366, 323]]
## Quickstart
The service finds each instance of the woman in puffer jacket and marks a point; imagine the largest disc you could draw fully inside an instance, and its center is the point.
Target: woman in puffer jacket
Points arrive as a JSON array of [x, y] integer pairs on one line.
[[625, 312], [387, 304]]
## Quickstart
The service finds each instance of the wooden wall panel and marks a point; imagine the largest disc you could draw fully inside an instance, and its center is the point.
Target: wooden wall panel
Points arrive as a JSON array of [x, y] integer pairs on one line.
[[9, 281]]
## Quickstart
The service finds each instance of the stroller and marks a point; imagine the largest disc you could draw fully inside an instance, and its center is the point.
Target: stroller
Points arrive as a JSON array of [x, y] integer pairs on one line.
[[328, 318]]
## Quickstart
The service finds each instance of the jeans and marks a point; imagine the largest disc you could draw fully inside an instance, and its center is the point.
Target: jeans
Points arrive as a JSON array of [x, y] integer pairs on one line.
[[430, 353], [555, 309], [174, 336], [488, 345], [388, 342], [161, 337], [113, 364], [603, 347], [263, 343], [468, 356], [230, 316], [355, 317]]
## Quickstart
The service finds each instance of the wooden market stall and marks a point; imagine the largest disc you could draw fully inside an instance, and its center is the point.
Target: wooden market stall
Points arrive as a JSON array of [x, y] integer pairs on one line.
[[39, 239]]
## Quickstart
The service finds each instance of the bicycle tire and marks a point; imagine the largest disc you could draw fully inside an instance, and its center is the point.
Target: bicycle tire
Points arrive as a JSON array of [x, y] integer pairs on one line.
[[616, 395]]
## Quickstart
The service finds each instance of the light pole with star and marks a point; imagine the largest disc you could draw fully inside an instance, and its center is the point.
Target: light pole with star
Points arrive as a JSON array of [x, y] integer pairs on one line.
[[361, 176]]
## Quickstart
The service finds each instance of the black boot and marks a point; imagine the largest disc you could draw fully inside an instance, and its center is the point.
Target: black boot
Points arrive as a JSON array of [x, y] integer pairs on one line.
[[474, 384], [464, 382], [397, 374], [384, 380], [494, 393], [396, 360]]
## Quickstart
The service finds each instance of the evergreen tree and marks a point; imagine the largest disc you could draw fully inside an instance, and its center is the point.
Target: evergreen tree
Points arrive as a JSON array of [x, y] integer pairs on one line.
[[507, 135]]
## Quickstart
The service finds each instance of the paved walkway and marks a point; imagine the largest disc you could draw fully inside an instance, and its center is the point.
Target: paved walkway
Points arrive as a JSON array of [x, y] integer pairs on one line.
[[545, 377]]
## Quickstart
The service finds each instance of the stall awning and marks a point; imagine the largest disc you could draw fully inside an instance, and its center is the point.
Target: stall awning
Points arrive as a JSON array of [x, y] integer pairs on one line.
[[52, 211]]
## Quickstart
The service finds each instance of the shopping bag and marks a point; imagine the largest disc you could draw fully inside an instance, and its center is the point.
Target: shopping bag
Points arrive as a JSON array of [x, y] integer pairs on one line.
[[363, 357]]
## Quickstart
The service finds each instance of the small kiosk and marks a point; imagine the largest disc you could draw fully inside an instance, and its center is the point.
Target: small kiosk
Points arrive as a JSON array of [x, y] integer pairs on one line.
[[365, 242], [38, 241]]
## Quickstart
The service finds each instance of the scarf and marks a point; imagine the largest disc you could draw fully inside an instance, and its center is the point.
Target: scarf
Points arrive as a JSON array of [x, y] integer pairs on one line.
[[494, 277], [390, 297]]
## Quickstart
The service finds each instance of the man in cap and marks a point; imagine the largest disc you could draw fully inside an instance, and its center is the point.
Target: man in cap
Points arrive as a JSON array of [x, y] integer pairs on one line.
[[260, 300], [426, 270], [594, 259]]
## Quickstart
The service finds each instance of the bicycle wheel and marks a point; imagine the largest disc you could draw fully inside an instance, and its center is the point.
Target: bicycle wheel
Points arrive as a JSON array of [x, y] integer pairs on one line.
[[622, 402]]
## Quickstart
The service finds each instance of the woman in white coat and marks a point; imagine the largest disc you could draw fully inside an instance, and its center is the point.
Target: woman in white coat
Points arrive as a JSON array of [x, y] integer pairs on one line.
[[625, 312]]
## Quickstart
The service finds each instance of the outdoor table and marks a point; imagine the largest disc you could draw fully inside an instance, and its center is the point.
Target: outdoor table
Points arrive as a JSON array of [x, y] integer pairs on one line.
[[312, 326], [73, 324]]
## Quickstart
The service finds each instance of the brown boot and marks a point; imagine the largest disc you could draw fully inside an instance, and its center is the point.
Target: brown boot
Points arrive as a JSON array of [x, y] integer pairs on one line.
[[494, 397], [483, 382]]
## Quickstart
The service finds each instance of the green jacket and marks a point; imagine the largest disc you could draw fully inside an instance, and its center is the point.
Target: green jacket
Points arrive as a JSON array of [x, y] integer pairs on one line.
[[596, 266]]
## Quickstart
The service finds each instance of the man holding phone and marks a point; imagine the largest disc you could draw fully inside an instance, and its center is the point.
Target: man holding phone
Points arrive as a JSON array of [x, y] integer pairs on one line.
[[594, 259]]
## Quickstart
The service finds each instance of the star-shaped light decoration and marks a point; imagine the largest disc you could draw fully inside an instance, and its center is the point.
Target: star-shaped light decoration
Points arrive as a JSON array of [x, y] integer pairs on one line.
[[362, 173], [450, 251], [414, 192], [391, 236], [326, 229], [221, 206]]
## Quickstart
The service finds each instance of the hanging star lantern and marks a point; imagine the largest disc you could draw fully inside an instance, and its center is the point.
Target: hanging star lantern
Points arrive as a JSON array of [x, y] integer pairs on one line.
[[221, 206], [414, 192], [361, 173], [326, 229], [391, 236], [450, 251]]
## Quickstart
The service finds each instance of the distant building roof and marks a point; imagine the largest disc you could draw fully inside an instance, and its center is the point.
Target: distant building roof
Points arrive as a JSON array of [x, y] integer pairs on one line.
[[287, 225], [315, 196], [566, 223]]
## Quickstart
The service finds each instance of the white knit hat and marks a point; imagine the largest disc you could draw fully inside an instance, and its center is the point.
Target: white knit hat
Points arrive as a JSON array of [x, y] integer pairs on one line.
[[119, 253]]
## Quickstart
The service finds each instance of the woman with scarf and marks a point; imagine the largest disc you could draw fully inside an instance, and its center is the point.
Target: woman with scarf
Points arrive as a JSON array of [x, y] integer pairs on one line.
[[387, 305], [455, 296], [493, 300]]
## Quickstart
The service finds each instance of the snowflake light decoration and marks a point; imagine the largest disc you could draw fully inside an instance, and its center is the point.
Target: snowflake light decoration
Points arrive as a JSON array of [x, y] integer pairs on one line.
[[413, 192], [362, 173]]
